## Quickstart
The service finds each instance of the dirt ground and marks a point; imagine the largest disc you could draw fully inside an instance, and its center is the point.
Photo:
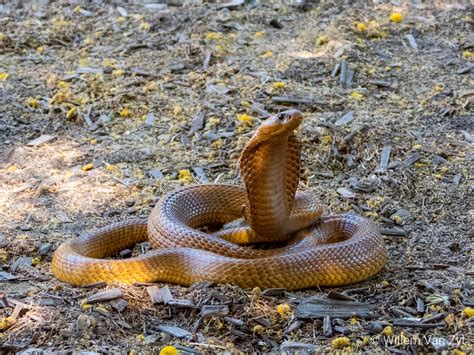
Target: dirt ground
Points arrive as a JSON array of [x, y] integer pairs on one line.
[[105, 108]]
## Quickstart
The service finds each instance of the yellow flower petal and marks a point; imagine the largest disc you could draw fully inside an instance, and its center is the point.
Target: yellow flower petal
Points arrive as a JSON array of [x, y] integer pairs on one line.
[[169, 350], [396, 17], [341, 342], [87, 167], [185, 176]]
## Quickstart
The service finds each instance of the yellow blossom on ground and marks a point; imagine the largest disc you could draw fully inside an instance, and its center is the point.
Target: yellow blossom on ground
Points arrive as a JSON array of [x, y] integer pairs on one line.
[[71, 113], [260, 34], [417, 147], [457, 352], [124, 112], [340, 342], [278, 85], [6, 323], [32, 102], [140, 337], [218, 143], [357, 96], [118, 72], [214, 121], [397, 219], [326, 140], [85, 305], [120, 19], [468, 54], [322, 40], [145, 26], [93, 141], [375, 202], [3, 255], [258, 329], [468, 311], [388, 331], [283, 309], [109, 62], [449, 319], [245, 104], [361, 27], [40, 49], [444, 169], [177, 110], [87, 167], [385, 283], [88, 41], [396, 17], [267, 54], [438, 88], [3, 76], [371, 214], [59, 98], [245, 119], [11, 169], [438, 176], [35, 261], [184, 175], [169, 350], [363, 342], [213, 36]]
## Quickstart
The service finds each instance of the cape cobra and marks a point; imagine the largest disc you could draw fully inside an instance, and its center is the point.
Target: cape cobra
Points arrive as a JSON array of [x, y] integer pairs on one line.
[[318, 251]]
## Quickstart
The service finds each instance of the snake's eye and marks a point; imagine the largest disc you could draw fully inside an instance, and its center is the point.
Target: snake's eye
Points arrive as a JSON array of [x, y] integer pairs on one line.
[[281, 117]]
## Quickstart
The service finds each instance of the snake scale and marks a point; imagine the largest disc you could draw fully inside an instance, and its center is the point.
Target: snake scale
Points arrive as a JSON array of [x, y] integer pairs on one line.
[[318, 251]]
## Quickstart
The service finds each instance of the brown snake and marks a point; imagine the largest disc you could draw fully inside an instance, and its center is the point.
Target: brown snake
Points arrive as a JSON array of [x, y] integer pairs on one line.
[[328, 251]]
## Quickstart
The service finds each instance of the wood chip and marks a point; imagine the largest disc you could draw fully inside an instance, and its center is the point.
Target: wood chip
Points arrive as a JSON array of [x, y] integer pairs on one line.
[[45, 138], [235, 321], [104, 296], [297, 100], [150, 119], [6, 276], [317, 307], [273, 292], [339, 296], [159, 295], [197, 123], [346, 193], [297, 345], [385, 157], [175, 331], [413, 158], [327, 327], [396, 231], [345, 119], [214, 310], [411, 41]]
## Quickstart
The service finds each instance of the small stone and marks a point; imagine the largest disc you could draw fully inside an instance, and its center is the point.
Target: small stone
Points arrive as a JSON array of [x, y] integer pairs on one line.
[[85, 322], [374, 327], [126, 253], [44, 249], [119, 304], [22, 262], [439, 343]]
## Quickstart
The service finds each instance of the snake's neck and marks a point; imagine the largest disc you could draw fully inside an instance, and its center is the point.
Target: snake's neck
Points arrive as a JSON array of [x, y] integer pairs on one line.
[[264, 172]]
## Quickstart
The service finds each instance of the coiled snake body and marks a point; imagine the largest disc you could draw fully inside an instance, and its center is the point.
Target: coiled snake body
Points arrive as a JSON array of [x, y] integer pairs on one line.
[[326, 251]]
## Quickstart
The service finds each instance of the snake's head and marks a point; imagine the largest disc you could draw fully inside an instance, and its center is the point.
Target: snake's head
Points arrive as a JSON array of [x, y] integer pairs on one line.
[[281, 124]]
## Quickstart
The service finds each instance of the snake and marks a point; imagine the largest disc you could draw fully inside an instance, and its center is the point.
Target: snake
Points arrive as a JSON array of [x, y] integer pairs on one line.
[[283, 239]]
